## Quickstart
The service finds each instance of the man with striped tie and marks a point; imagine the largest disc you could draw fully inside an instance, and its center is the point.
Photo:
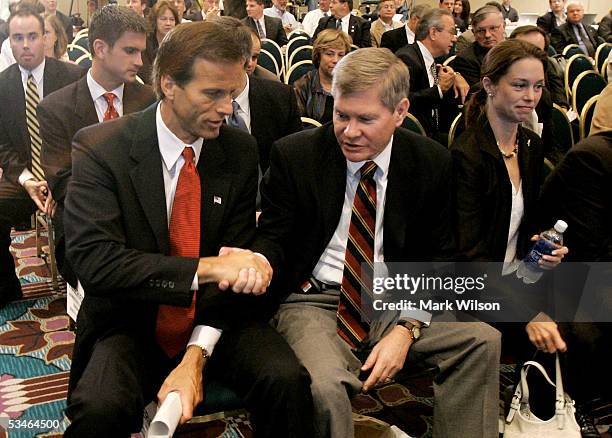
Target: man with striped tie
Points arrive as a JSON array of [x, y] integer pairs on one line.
[[23, 187], [329, 196]]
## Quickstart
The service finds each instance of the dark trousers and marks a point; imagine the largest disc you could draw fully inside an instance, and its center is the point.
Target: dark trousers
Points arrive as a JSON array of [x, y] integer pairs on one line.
[[124, 374], [12, 211]]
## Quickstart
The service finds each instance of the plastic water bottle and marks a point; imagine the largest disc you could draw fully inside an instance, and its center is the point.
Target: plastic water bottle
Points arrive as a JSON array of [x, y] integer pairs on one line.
[[529, 270]]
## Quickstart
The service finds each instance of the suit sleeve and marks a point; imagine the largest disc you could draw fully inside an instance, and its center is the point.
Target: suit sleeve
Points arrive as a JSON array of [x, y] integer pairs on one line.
[[557, 40], [554, 83], [56, 151], [468, 68], [605, 29], [11, 162], [96, 240], [467, 205], [544, 24], [366, 38], [294, 123], [282, 35], [321, 26]]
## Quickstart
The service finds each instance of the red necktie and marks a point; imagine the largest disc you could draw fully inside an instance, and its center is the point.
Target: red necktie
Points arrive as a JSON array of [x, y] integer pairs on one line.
[[174, 324], [353, 322], [111, 112]]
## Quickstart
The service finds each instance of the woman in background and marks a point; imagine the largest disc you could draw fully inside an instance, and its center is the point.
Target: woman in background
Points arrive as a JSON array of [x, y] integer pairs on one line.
[[162, 19], [313, 90], [461, 14], [56, 41]]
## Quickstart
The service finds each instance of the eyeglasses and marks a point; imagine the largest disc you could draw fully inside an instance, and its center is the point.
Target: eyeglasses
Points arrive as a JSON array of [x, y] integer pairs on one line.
[[482, 31]]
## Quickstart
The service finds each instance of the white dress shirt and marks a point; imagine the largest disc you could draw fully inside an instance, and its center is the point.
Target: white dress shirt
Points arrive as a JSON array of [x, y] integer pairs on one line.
[[409, 35], [245, 107], [429, 60], [38, 74], [516, 215], [97, 91], [285, 16], [311, 20], [331, 263], [171, 149], [345, 23]]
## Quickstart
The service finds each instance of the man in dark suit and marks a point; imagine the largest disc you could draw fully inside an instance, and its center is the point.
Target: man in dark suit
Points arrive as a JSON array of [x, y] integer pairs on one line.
[[265, 26], [153, 197], [488, 27], [433, 93], [329, 196], [269, 112], [23, 187], [573, 31], [117, 37], [397, 38], [356, 27], [554, 18], [51, 9]]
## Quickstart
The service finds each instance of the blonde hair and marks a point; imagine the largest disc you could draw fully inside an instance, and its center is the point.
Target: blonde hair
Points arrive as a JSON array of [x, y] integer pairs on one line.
[[369, 67]]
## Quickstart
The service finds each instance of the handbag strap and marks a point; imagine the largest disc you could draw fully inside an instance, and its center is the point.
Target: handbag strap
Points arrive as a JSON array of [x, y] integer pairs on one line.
[[521, 394]]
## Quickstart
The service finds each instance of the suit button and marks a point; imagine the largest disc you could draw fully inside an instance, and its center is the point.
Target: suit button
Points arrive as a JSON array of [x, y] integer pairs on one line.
[[171, 284], [164, 284]]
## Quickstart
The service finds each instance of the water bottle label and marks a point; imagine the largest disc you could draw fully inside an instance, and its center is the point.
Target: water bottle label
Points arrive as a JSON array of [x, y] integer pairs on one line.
[[540, 248]]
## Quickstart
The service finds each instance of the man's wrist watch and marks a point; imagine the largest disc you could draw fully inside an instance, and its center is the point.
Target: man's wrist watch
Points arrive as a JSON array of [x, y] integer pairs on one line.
[[414, 329]]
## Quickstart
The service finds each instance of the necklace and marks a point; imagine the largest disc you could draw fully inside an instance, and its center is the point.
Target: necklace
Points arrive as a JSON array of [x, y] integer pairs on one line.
[[511, 154]]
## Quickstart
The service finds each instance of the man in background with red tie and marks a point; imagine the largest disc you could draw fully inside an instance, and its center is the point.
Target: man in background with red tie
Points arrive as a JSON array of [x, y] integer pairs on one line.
[[328, 198], [23, 187], [153, 198], [117, 36]]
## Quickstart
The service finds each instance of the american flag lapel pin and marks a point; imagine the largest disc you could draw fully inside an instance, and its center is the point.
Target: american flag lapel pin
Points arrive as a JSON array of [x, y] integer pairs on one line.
[[217, 200]]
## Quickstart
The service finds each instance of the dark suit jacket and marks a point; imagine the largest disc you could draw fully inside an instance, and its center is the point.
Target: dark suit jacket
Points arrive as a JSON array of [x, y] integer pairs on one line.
[[468, 62], [605, 28], [14, 137], [274, 29], [359, 29], [65, 112], [424, 98], [303, 193], [61, 115], [564, 36], [547, 22], [274, 114], [394, 39], [483, 192], [67, 22], [511, 14], [578, 191], [117, 229]]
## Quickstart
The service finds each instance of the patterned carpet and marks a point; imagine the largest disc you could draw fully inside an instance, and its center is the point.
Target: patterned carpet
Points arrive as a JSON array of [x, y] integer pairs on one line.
[[36, 349]]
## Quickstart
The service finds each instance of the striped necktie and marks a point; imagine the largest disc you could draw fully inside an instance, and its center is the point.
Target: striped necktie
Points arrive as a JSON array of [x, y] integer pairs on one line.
[[352, 319], [174, 324], [434, 111], [31, 102], [260, 31]]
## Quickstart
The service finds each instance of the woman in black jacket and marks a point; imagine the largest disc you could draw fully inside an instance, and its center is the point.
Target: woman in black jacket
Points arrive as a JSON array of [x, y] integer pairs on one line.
[[497, 167]]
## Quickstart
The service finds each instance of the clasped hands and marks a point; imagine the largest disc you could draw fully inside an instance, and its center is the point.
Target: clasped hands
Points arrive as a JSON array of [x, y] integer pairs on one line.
[[241, 269]]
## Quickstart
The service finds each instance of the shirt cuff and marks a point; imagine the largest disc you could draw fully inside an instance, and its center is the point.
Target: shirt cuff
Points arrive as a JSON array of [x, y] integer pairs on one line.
[[419, 315], [195, 284], [205, 337], [440, 92], [25, 175]]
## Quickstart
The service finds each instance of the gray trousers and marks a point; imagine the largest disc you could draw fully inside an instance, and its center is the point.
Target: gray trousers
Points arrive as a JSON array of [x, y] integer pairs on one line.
[[466, 355]]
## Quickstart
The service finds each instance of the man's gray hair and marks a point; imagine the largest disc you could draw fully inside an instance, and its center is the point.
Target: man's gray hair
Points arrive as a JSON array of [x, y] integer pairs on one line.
[[432, 18], [482, 13], [573, 3], [419, 10], [363, 69]]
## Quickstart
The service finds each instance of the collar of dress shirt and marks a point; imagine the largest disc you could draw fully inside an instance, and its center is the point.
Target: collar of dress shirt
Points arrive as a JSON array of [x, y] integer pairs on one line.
[[427, 57], [170, 146], [243, 98], [385, 25], [345, 20], [96, 90], [382, 160], [38, 74], [278, 11], [409, 34]]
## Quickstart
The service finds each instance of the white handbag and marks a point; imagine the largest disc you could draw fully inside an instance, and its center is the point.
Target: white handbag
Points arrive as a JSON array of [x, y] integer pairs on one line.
[[521, 423]]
